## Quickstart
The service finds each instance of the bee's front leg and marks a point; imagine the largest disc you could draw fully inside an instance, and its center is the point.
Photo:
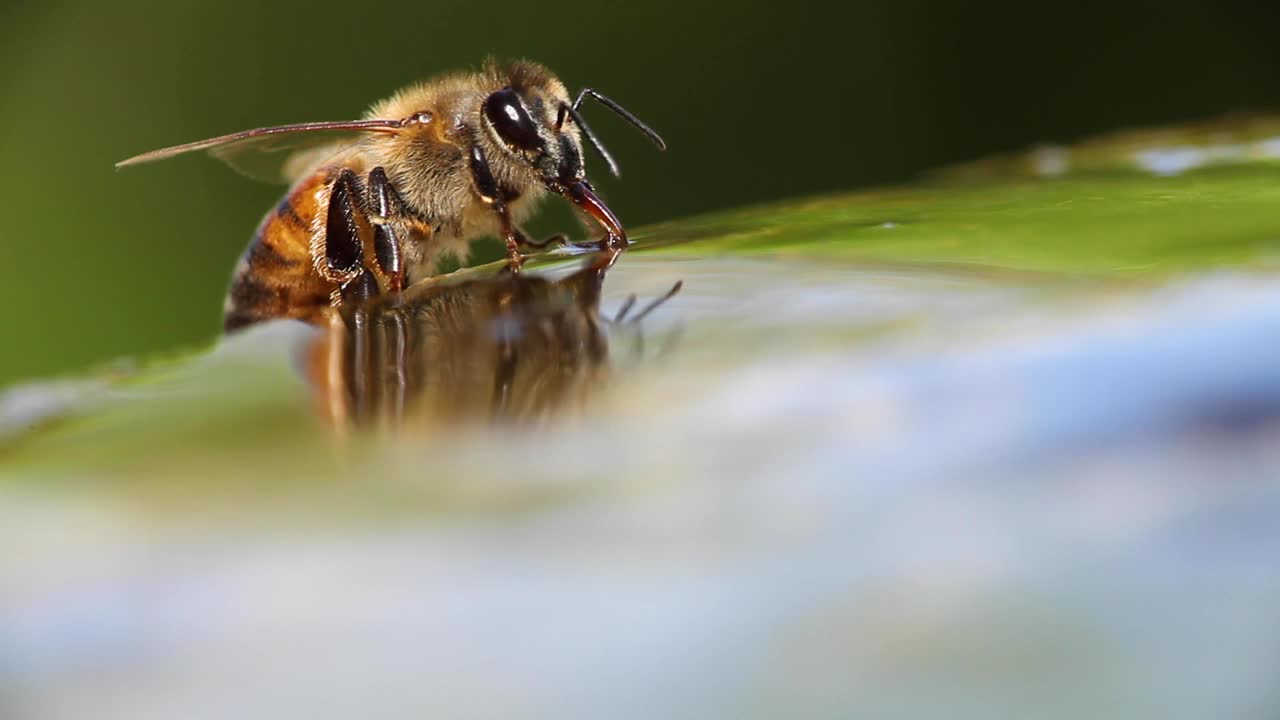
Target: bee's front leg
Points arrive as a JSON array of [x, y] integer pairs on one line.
[[491, 195]]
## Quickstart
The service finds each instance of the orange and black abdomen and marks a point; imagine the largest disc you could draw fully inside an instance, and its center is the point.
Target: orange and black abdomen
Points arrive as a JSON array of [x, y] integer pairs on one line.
[[276, 277]]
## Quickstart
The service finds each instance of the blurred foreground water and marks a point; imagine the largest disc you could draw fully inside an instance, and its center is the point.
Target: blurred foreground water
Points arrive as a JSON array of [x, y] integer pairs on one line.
[[875, 479]]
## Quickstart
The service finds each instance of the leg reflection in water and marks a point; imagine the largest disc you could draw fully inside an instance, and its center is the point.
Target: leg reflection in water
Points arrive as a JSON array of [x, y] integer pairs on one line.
[[514, 347]]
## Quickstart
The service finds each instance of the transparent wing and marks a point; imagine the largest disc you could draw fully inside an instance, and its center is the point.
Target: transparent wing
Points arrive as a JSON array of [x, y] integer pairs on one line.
[[283, 159], [276, 154]]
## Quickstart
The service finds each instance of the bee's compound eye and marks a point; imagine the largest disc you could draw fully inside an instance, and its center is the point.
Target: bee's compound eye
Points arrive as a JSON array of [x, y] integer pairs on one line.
[[510, 121]]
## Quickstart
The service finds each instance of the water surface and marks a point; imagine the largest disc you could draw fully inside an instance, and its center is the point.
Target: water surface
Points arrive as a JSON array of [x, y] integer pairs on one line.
[[1006, 449]]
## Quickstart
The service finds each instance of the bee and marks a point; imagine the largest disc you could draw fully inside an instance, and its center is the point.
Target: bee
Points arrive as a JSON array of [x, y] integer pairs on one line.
[[378, 203]]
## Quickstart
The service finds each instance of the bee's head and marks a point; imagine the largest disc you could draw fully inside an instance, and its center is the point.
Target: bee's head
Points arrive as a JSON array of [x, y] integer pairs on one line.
[[537, 127], [526, 124]]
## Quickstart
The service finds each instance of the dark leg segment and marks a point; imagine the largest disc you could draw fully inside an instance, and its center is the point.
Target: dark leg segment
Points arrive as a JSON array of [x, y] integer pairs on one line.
[[342, 250], [386, 246], [387, 208], [483, 177], [491, 195], [360, 288]]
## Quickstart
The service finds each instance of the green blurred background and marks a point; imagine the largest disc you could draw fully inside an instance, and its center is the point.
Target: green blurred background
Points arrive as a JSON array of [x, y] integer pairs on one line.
[[758, 100]]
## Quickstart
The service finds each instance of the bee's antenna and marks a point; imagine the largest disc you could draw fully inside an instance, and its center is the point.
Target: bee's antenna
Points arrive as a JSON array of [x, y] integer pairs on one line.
[[591, 138], [572, 110], [648, 131]]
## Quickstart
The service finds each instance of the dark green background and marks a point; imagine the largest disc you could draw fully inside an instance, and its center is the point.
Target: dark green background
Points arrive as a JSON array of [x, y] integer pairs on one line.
[[757, 100]]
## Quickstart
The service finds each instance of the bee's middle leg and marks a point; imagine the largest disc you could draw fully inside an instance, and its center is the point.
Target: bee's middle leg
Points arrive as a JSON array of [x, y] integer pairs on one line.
[[351, 217], [389, 213]]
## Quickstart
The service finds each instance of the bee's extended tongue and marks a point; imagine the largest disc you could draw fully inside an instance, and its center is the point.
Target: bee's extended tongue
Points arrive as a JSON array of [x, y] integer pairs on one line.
[[583, 197]]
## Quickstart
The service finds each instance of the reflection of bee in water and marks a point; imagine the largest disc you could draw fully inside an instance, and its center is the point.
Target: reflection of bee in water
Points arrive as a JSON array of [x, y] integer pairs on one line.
[[518, 347], [432, 168]]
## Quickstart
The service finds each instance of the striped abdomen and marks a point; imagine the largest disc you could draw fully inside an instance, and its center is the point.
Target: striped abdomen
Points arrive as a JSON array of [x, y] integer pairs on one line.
[[276, 277]]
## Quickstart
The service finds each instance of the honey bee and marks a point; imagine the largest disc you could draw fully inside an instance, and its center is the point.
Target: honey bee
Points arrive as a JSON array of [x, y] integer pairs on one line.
[[382, 200]]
